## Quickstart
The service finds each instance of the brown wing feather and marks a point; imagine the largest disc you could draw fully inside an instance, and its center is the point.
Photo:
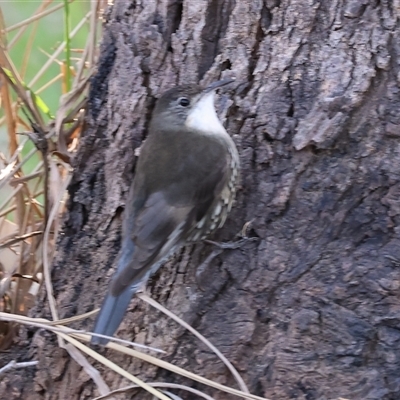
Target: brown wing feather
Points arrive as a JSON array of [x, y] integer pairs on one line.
[[164, 206], [157, 230]]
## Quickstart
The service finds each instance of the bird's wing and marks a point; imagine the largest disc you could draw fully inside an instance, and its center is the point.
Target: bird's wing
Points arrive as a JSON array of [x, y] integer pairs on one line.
[[162, 222], [158, 228]]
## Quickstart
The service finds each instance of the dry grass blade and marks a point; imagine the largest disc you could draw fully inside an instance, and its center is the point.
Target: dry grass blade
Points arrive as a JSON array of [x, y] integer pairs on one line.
[[9, 115], [35, 17], [89, 369], [175, 369], [91, 45], [28, 177], [46, 239], [69, 335], [21, 200], [172, 395], [5, 178], [75, 318], [10, 122], [15, 239], [156, 384], [58, 51], [3, 36], [113, 366], [28, 47], [10, 196], [18, 35], [49, 83], [56, 326], [63, 334], [11, 75], [228, 364], [7, 170]]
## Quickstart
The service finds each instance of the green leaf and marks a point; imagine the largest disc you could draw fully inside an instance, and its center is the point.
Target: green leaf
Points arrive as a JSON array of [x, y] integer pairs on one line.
[[37, 99]]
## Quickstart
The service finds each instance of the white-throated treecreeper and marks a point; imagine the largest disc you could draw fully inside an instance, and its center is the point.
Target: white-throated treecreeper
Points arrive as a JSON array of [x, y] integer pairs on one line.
[[182, 191]]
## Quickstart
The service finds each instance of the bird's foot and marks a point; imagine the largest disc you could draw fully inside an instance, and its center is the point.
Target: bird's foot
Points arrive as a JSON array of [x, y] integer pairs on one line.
[[236, 244]]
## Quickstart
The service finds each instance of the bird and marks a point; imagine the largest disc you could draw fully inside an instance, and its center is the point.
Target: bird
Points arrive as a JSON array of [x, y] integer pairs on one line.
[[182, 191]]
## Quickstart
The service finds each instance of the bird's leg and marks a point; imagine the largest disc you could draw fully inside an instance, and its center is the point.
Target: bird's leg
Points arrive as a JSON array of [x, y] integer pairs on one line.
[[220, 247]]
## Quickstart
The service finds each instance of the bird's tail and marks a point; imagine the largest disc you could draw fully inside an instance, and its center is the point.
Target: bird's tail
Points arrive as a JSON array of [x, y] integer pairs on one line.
[[114, 307], [110, 316]]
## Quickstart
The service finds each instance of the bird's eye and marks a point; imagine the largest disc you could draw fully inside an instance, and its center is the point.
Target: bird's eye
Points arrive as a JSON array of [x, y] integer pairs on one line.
[[184, 101]]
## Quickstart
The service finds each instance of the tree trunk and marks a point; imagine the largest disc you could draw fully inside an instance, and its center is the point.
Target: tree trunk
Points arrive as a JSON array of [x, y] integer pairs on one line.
[[311, 310]]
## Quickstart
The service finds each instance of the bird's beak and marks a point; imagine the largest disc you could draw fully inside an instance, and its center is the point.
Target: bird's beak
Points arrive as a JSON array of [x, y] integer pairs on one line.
[[215, 85]]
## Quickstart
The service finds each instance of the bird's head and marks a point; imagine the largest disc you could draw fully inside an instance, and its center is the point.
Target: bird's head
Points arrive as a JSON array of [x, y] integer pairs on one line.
[[190, 107]]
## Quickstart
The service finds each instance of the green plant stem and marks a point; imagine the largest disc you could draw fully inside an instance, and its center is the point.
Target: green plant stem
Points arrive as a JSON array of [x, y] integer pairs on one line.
[[67, 46]]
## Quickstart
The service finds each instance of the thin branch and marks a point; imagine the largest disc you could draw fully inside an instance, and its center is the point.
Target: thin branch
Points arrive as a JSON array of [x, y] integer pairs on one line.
[[16, 239], [14, 365], [34, 18]]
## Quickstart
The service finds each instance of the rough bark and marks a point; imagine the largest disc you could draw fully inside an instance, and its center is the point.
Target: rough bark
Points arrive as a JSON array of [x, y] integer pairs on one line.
[[309, 311]]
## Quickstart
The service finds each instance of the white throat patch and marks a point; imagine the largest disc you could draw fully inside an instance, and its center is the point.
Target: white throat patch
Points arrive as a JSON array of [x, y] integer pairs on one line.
[[203, 117]]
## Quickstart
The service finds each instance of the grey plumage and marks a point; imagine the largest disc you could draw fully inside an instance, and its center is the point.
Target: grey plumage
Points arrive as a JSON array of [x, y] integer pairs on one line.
[[183, 189]]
